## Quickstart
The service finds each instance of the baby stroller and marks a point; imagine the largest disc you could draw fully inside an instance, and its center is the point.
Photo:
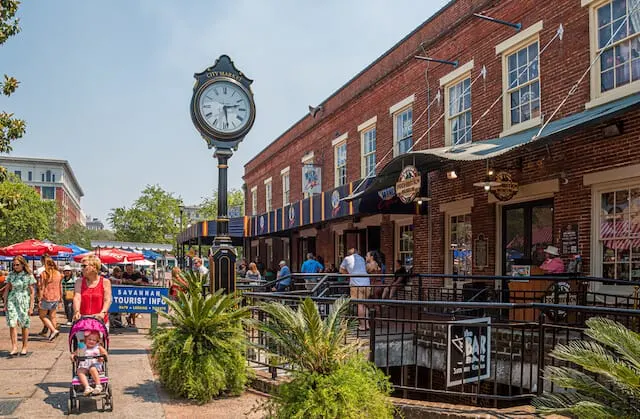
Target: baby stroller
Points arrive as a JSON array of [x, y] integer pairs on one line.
[[76, 339]]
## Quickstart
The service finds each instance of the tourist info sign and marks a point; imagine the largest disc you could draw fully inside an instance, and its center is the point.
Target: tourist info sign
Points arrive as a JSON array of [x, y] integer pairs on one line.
[[469, 351], [132, 299]]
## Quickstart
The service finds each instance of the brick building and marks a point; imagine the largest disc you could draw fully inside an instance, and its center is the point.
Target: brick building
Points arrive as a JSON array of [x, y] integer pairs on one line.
[[53, 179], [560, 158]]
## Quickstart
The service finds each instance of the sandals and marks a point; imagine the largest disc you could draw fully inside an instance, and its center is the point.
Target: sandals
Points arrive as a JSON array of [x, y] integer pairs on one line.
[[54, 335]]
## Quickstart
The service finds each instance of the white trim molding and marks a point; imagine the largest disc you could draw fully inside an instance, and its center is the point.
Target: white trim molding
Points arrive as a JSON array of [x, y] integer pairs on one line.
[[307, 157], [462, 205], [366, 124], [402, 104], [254, 188], [268, 180], [340, 139], [519, 38], [457, 73], [285, 170], [612, 175]]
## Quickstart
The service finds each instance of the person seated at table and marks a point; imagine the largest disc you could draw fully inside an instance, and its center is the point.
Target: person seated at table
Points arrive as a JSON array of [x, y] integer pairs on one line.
[[284, 278], [552, 264]]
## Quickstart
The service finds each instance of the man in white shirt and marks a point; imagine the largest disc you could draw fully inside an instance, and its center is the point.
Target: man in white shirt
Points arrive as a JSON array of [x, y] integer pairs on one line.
[[199, 267], [360, 285]]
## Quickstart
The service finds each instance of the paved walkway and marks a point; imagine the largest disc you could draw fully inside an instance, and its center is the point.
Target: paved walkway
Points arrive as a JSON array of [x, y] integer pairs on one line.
[[37, 386]]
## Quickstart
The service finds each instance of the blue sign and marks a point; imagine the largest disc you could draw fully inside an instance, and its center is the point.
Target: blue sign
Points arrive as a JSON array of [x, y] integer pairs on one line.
[[132, 299]]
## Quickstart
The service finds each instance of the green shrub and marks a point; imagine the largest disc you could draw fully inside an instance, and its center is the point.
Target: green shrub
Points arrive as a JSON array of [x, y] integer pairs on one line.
[[202, 355], [331, 379], [355, 389]]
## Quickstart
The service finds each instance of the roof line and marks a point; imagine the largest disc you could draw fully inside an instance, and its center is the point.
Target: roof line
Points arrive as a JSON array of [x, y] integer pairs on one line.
[[361, 72], [48, 160]]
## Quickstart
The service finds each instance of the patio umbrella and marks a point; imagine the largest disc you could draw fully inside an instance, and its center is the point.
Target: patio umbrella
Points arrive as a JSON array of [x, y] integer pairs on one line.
[[109, 255], [33, 247]]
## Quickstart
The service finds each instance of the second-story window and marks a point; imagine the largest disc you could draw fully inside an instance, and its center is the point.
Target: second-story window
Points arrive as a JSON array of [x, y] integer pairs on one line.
[[369, 152], [48, 175], [286, 186], [524, 84], [268, 195], [340, 152], [459, 112], [404, 130], [254, 200]]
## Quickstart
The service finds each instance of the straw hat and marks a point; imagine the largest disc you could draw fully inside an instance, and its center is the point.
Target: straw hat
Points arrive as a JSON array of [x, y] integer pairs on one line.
[[552, 250]]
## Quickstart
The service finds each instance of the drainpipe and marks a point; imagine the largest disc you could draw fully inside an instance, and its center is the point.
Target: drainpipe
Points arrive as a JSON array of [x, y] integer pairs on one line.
[[429, 217]]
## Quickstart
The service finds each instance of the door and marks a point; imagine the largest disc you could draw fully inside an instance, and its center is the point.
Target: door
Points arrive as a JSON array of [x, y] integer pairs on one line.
[[527, 229]]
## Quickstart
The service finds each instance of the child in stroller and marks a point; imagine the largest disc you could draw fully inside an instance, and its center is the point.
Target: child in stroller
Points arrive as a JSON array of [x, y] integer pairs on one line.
[[89, 358]]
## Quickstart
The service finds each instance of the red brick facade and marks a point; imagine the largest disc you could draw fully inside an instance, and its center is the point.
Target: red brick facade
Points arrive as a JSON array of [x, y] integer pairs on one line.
[[454, 34]]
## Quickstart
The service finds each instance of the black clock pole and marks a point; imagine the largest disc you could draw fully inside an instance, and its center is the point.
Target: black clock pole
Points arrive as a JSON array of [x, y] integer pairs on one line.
[[223, 255]]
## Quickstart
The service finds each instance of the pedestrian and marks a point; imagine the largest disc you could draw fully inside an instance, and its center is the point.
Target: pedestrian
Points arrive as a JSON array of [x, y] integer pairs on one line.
[[199, 266], [399, 280], [253, 274], [50, 295], [19, 297], [283, 277], [93, 291], [373, 266], [177, 284], [68, 284], [115, 319], [354, 264], [133, 277], [311, 266]]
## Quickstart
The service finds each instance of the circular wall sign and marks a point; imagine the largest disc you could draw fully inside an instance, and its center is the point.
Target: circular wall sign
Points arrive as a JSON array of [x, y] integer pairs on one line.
[[508, 187], [408, 185]]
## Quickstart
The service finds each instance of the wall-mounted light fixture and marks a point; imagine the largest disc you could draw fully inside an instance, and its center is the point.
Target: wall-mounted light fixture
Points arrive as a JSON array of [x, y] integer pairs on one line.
[[452, 174], [422, 199], [612, 130]]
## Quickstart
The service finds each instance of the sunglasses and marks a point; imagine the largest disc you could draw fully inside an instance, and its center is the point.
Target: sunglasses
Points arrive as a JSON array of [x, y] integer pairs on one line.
[[17, 264]]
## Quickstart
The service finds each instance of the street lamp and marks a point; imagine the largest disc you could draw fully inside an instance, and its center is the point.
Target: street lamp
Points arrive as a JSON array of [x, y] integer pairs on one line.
[[179, 248]]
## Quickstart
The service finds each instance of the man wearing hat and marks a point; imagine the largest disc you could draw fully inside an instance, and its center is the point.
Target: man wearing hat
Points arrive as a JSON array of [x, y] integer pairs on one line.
[[68, 285], [552, 263]]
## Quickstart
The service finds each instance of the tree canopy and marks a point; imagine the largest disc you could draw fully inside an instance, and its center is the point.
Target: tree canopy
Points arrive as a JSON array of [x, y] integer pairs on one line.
[[82, 236], [27, 217], [151, 218], [209, 206]]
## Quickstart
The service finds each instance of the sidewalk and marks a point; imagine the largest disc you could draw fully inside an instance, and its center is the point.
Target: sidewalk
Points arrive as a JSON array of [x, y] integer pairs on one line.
[[38, 385]]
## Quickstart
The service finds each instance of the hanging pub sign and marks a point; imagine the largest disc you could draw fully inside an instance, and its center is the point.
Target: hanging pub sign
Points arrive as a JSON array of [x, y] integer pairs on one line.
[[469, 351], [311, 179], [408, 185], [507, 189]]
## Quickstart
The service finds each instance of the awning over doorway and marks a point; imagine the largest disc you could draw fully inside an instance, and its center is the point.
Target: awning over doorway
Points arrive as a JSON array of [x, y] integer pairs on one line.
[[434, 158]]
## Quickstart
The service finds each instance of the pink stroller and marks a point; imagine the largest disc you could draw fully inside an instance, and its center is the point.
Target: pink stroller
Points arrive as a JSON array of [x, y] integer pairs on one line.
[[76, 339]]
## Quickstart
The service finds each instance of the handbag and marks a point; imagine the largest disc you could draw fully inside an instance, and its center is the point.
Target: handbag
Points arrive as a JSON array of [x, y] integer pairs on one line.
[[68, 294]]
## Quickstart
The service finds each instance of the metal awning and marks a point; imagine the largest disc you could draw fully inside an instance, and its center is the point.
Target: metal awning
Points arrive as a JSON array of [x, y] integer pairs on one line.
[[434, 158]]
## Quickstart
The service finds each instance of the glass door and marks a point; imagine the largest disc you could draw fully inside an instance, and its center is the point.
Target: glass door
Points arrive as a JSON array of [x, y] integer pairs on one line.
[[527, 229]]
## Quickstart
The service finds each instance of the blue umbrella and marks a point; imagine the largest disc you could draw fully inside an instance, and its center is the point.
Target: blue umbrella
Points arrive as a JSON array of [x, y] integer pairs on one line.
[[77, 250], [151, 255]]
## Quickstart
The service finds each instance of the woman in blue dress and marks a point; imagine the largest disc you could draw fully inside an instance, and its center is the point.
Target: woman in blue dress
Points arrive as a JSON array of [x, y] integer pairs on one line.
[[18, 297]]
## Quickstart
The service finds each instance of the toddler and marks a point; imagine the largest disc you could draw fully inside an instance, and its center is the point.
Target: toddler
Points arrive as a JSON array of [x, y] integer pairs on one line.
[[92, 363]]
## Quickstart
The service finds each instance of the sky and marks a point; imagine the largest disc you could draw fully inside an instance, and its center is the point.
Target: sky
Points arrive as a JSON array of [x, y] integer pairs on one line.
[[106, 85]]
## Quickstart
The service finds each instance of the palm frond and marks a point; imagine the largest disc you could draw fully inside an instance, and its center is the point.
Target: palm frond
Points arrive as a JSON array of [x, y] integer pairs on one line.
[[624, 341]]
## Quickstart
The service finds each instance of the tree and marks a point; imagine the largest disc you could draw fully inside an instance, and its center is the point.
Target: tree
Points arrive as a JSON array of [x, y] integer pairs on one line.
[[151, 219], [613, 357], [27, 217], [202, 354], [209, 206], [329, 378]]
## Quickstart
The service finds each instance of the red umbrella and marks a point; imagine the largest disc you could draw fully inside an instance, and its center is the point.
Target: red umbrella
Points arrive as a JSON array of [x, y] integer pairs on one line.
[[110, 255], [33, 247]]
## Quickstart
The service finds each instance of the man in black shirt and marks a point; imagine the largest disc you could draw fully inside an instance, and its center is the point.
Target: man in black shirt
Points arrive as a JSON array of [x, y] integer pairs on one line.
[[131, 277]]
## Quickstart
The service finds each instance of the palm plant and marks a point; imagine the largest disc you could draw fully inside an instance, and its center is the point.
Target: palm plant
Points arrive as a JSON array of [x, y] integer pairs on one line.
[[614, 357], [330, 379], [202, 354]]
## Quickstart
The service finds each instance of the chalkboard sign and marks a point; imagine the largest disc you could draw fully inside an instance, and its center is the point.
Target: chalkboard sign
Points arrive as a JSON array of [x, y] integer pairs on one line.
[[569, 239]]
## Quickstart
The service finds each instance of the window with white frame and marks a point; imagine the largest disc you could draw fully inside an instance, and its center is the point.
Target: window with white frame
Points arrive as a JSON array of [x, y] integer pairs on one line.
[[268, 204], [340, 153], [615, 34], [523, 90], [369, 152], [619, 235], [405, 245], [254, 200], [460, 244], [285, 187], [403, 122], [307, 161], [459, 111]]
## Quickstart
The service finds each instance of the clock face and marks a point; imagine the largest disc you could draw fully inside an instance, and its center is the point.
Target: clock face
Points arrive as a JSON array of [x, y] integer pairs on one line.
[[225, 107]]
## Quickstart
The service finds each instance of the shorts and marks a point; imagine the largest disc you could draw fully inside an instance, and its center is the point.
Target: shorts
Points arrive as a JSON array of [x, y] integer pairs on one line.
[[359, 293], [48, 305], [88, 364]]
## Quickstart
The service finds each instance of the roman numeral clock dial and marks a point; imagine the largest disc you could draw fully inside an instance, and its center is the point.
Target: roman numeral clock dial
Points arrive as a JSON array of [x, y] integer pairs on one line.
[[224, 106]]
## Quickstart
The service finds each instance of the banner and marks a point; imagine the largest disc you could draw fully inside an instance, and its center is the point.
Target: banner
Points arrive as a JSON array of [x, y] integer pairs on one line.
[[311, 179], [469, 351], [132, 299]]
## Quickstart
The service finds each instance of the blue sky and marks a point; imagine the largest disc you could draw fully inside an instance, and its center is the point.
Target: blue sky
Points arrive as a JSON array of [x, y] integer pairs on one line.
[[106, 84]]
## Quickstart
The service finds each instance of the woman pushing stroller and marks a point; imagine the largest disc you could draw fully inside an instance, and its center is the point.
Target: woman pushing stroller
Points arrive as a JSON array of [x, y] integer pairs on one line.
[[91, 362]]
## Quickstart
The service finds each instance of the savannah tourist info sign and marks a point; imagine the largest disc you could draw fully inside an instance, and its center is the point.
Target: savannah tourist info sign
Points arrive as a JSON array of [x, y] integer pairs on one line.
[[469, 351], [132, 299]]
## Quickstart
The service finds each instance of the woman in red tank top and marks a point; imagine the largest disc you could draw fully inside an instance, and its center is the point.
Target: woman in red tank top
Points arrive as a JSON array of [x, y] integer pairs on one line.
[[93, 292]]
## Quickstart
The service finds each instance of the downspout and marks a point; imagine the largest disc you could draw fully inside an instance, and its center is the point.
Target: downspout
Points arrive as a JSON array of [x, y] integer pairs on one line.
[[429, 217]]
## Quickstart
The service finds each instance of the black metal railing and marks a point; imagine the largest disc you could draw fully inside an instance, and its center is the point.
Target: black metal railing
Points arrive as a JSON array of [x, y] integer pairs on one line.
[[410, 340]]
